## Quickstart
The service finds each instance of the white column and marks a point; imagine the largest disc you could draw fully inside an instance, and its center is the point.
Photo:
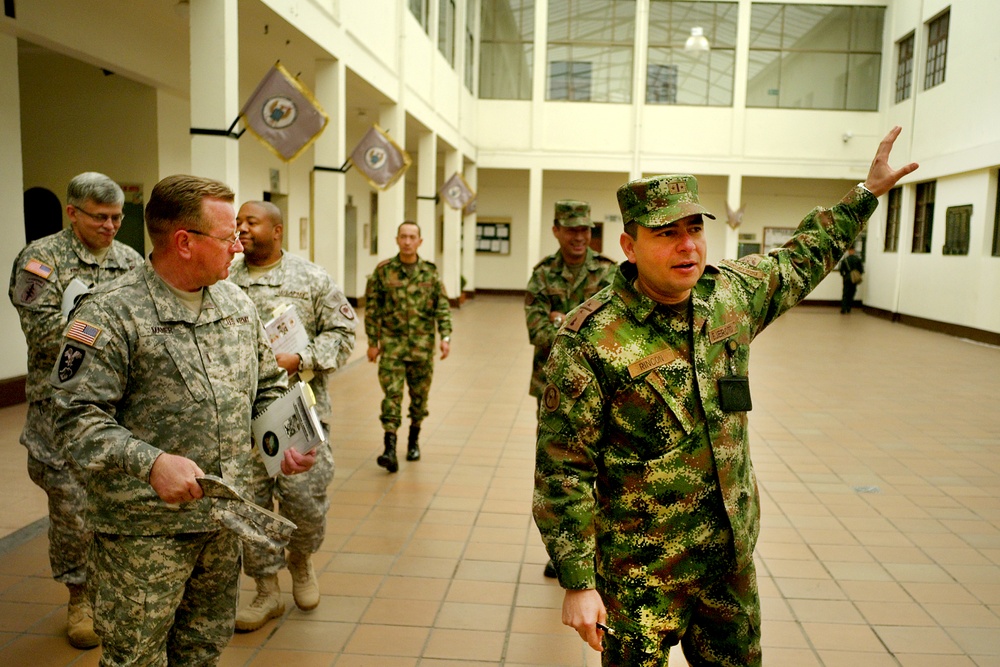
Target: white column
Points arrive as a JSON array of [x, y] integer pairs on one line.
[[391, 202], [427, 187], [469, 234], [215, 88], [13, 362], [326, 211], [734, 199], [534, 219], [450, 268]]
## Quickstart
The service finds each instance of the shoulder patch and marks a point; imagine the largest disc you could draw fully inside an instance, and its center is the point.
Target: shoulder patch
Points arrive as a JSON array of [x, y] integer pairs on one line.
[[347, 311], [742, 268], [71, 360], [383, 263], [38, 268], [28, 288], [83, 332], [586, 309]]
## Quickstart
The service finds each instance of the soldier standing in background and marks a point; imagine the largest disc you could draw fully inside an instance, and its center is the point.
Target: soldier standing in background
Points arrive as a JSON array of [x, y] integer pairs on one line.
[[848, 265], [404, 302], [559, 283], [84, 255], [274, 280], [156, 381], [645, 493]]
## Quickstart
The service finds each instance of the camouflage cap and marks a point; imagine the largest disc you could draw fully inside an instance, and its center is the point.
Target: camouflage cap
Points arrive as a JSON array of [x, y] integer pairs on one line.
[[572, 213], [251, 523], [660, 200]]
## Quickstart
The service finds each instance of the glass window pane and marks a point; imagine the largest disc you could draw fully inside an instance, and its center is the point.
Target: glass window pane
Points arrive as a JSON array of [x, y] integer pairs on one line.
[[720, 84], [866, 29], [765, 26], [862, 81], [762, 79], [506, 48], [816, 28], [813, 81]]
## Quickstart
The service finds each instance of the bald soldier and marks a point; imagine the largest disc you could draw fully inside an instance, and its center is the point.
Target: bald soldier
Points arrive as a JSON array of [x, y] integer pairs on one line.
[[645, 494], [558, 284], [275, 280]]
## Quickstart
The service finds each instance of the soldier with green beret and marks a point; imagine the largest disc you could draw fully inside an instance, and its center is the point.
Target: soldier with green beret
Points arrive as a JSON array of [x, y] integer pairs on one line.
[[47, 275], [405, 302], [558, 284], [645, 493], [157, 378]]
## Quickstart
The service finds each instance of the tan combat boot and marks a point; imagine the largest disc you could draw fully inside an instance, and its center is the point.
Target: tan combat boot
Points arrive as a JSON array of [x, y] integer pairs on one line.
[[305, 588], [265, 606], [80, 619]]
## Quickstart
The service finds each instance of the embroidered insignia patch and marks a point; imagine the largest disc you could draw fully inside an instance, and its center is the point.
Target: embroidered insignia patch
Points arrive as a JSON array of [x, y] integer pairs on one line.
[[551, 398], [84, 332], [29, 288], [347, 311], [70, 361], [38, 268]]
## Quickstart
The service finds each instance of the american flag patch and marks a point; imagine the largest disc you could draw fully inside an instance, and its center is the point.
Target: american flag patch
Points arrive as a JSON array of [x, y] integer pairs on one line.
[[39, 269], [83, 332]]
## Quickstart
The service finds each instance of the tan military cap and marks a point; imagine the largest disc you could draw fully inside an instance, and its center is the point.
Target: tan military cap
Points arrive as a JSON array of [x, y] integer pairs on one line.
[[572, 213], [660, 200], [251, 523]]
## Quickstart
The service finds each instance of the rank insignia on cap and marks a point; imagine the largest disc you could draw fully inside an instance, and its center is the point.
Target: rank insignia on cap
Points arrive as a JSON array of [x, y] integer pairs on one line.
[[84, 332], [39, 269]]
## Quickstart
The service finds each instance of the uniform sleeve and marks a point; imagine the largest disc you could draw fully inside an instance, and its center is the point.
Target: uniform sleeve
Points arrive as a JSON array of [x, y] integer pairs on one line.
[[90, 381], [336, 323], [374, 306], [569, 430], [443, 310], [39, 306], [537, 306]]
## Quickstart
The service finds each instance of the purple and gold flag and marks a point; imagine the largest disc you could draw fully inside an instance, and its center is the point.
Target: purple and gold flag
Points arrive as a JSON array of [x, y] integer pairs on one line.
[[379, 159], [456, 192], [283, 114]]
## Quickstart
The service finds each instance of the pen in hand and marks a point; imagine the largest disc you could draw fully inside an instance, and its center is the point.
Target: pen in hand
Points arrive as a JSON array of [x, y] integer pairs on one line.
[[606, 629]]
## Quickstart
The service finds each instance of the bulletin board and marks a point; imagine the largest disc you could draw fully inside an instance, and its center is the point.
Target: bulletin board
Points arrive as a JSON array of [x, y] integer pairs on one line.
[[775, 237], [493, 236]]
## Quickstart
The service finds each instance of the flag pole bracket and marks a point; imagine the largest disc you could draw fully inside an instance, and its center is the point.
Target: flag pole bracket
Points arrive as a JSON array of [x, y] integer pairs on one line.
[[220, 133], [343, 169], [435, 198]]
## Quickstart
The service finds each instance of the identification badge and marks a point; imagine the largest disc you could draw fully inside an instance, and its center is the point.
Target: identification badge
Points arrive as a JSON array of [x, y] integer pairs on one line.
[[734, 394]]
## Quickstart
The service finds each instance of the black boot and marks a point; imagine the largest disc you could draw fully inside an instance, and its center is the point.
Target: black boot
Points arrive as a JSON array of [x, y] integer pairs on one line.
[[412, 448], [388, 458]]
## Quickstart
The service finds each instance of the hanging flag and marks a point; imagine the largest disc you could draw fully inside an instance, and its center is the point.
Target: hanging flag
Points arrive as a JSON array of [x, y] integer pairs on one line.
[[456, 192], [379, 159], [470, 208], [283, 114]]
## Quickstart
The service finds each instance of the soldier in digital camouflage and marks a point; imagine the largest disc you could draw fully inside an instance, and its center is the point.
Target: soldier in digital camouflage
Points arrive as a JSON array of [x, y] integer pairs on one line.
[[404, 302], [158, 375], [558, 284], [83, 255], [645, 494], [275, 280]]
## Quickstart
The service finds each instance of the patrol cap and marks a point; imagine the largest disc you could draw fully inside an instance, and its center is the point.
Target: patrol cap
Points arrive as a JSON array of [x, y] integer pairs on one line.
[[660, 200], [573, 213], [251, 523]]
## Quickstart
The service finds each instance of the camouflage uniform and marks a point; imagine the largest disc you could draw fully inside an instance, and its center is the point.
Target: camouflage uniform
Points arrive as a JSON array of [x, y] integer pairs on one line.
[[330, 322], [41, 273], [139, 374], [402, 307], [644, 488], [554, 287]]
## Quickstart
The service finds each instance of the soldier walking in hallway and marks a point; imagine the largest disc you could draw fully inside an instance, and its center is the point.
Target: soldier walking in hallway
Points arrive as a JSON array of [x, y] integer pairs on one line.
[[46, 274], [851, 270], [274, 280], [404, 302]]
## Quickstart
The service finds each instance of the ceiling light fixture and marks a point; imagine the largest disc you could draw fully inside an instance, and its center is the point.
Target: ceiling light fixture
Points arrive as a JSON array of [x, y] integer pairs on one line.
[[697, 41]]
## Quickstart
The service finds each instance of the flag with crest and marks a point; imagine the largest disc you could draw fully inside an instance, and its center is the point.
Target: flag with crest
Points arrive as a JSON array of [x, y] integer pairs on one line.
[[456, 192], [379, 159], [283, 114]]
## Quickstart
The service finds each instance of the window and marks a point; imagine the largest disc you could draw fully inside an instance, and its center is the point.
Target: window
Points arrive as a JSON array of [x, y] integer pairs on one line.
[[446, 30], [923, 217], [419, 10], [892, 220], [996, 222], [590, 49], [957, 221], [675, 76], [904, 68], [937, 50], [506, 48], [815, 57], [470, 43]]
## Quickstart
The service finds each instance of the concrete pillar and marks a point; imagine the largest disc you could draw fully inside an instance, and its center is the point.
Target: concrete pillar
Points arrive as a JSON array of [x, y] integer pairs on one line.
[[391, 202], [534, 220], [215, 89], [450, 268], [328, 188], [469, 234], [427, 187]]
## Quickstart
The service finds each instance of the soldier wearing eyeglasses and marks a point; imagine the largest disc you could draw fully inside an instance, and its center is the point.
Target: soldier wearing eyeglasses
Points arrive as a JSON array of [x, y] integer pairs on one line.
[[157, 379], [46, 276]]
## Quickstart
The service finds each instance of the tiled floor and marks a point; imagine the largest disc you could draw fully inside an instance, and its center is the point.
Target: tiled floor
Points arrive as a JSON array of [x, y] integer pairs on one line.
[[877, 448]]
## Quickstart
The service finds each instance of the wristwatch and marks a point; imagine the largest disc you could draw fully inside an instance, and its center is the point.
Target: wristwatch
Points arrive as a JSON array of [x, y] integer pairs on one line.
[[558, 321], [446, 339]]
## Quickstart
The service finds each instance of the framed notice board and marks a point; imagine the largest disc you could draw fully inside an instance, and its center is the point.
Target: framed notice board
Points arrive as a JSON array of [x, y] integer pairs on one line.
[[493, 236], [775, 237]]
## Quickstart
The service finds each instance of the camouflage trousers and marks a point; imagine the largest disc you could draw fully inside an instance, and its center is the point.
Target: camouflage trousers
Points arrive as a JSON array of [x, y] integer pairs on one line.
[[391, 374], [164, 599], [303, 500], [69, 538], [717, 623]]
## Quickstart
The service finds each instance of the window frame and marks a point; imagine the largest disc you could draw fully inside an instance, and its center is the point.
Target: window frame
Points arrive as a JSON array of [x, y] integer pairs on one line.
[[923, 218], [936, 61], [893, 216], [905, 59]]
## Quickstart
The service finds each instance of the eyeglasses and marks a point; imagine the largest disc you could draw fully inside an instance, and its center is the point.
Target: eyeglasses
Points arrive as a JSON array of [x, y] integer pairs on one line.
[[231, 241], [102, 217]]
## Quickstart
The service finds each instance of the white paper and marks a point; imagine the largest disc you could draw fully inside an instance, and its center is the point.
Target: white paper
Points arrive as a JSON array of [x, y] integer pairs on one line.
[[74, 290], [290, 421], [286, 332]]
